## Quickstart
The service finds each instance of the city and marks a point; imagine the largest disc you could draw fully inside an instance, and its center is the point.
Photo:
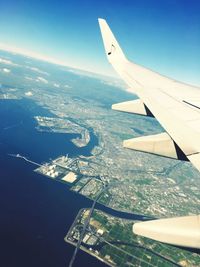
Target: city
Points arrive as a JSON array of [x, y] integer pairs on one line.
[[131, 182]]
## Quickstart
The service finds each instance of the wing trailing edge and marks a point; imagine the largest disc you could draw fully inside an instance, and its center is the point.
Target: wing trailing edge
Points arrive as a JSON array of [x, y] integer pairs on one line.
[[134, 106], [158, 144]]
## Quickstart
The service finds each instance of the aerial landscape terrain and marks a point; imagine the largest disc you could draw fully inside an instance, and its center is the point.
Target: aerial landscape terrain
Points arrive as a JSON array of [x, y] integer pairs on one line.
[[99, 133], [58, 132]]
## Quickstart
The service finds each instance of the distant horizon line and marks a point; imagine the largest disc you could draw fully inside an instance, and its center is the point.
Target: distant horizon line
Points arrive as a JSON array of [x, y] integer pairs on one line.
[[38, 56], [35, 55]]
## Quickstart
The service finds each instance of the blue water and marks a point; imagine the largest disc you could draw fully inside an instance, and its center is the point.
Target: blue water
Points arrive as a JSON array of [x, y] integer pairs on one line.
[[37, 212], [19, 133]]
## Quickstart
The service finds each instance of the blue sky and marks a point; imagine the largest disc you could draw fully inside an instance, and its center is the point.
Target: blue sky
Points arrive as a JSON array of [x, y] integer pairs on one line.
[[163, 35]]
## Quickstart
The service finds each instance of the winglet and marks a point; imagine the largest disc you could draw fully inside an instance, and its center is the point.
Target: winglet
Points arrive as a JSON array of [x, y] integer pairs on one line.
[[112, 48]]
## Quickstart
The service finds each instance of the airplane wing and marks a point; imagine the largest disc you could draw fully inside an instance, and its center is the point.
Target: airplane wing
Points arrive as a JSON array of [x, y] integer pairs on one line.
[[176, 106]]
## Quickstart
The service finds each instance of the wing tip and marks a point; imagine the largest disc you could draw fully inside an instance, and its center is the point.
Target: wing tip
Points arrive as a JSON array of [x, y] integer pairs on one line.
[[110, 43], [101, 20]]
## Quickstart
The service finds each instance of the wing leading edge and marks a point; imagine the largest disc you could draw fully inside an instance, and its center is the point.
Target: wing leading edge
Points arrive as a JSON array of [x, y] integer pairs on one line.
[[177, 107]]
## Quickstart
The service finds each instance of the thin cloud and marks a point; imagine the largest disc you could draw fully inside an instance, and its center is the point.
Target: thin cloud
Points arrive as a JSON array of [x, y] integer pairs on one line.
[[57, 85], [7, 62], [6, 70], [67, 86], [37, 70], [29, 78], [41, 79], [29, 93]]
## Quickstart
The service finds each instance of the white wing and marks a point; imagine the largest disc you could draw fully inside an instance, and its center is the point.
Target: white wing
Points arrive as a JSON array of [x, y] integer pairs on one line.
[[177, 107]]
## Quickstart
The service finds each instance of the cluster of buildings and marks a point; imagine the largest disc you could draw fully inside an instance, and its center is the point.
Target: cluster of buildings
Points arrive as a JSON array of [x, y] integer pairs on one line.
[[59, 169], [51, 171]]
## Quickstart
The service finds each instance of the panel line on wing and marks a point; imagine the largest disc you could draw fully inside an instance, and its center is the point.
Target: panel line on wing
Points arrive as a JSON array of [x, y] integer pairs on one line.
[[184, 101]]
